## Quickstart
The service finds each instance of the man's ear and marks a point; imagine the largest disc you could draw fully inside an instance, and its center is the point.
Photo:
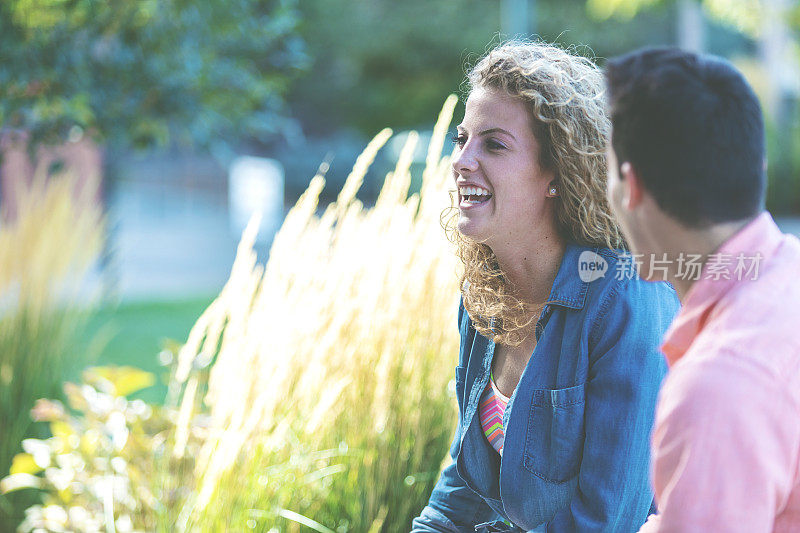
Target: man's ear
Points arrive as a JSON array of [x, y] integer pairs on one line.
[[632, 191]]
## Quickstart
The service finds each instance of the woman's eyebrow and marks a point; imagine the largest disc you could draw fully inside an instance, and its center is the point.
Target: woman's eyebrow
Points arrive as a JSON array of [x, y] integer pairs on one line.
[[497, 130], [490, 131]]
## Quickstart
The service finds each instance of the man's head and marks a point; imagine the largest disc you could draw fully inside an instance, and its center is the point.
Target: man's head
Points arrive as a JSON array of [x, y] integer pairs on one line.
[[688, 136]]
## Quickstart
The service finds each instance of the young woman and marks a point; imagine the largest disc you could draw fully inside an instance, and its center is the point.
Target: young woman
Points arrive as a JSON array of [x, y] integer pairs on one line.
[[559, 366]]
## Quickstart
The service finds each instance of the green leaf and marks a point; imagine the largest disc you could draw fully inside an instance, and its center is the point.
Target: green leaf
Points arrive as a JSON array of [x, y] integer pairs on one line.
[[124, 380]]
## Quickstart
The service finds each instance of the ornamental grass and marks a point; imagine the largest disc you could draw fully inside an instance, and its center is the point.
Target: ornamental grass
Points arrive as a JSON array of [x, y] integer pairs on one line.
[[46, 251], [314, 393]]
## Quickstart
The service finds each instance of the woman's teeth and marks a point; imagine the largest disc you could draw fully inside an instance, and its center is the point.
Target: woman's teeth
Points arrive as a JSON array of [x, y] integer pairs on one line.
[[474, 195]]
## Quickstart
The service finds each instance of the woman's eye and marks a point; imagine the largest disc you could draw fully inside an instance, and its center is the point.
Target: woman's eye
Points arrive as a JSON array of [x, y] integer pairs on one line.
[[460, 140], [491, 144]]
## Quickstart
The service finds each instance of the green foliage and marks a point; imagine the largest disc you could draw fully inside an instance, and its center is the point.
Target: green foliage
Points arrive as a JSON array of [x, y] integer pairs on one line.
[[379, 62], [107, 461], [783, 168], [101, 470], [144, 71], [747, 16], [624, 9], [35, 352]]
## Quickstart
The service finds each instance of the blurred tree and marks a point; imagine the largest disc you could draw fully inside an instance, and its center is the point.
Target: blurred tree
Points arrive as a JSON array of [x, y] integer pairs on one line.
[[773, 26], [382, 62], [748, 16], [147, 71], [626, 9]]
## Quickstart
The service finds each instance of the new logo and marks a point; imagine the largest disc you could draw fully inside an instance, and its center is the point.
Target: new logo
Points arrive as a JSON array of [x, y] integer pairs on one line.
[[591, 266]]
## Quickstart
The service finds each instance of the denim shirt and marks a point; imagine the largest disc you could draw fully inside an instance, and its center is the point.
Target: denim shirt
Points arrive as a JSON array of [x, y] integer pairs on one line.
[[577, 427]]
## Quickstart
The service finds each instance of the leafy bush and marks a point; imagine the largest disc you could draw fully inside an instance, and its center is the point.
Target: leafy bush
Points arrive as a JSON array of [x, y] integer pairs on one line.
[[101, 467]]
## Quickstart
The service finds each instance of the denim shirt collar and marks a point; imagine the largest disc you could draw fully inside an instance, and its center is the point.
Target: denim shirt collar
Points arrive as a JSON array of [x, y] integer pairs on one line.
[[569, 290]]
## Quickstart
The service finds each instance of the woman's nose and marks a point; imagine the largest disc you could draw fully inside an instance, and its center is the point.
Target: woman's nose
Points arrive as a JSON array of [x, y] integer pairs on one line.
[[465, 160]]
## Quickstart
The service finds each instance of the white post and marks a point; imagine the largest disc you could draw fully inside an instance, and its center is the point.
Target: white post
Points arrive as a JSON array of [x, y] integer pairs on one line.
[[691, 26], [255, 184]]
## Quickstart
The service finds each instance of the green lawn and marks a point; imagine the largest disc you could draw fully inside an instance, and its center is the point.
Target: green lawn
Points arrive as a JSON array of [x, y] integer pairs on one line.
[[133, 334]]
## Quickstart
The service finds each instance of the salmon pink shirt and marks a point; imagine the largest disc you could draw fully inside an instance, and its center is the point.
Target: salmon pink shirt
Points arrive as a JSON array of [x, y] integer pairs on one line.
[[726, 441]]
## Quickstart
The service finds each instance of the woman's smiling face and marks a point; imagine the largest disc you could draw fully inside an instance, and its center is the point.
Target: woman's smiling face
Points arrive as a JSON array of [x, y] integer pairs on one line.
[[502, 190]]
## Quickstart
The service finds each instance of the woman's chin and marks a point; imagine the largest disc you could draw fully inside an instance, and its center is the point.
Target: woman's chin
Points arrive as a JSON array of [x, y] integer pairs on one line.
[[470, 228]]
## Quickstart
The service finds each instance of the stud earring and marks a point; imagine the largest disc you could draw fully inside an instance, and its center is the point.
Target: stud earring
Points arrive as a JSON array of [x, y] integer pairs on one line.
[[553, 191]]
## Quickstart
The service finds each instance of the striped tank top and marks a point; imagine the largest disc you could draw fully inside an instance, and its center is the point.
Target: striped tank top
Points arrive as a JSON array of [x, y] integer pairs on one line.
[[492, 406]]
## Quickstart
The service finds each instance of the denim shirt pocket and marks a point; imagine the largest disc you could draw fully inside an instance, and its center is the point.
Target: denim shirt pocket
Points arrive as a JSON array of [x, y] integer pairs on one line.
[[555, 434]]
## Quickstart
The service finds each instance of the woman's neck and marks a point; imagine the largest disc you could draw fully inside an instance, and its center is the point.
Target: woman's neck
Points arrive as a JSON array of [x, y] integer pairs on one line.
[[531, 267]]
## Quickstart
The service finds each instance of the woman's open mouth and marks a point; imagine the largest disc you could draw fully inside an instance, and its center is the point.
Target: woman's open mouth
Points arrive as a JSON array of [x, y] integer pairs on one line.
[[472, 196]]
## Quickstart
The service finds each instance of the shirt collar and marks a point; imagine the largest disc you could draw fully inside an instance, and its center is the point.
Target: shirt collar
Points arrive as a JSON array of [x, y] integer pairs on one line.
[[760, 236], [568, 288]]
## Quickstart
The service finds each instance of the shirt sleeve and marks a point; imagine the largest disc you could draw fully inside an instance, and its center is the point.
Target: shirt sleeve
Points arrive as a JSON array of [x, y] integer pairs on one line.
[[453, 507], [726, 438], [625, 372]]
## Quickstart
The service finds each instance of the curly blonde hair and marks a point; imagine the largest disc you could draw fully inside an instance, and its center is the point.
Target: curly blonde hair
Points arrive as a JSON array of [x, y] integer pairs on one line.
[[564, 94]]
